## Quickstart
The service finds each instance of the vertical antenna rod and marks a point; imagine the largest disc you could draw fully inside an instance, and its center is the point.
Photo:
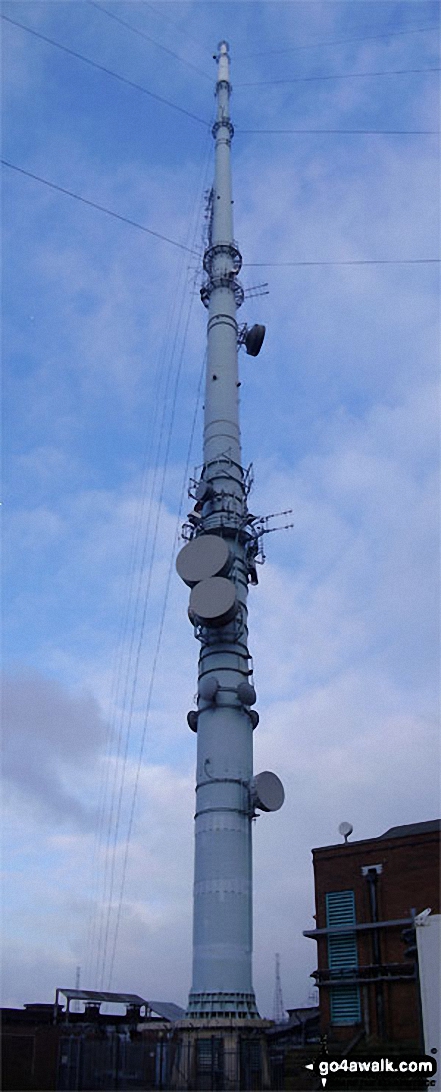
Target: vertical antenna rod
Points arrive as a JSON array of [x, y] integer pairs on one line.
[[217, 563], [278, 1006], [76, 1006]]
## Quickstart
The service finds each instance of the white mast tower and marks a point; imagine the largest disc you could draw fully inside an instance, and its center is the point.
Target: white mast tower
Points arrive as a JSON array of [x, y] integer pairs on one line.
[[217, 563]]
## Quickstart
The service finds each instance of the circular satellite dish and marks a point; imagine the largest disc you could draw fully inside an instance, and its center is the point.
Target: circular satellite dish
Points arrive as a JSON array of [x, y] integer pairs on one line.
[[269, 793], [254, 339], [213, 601], [203, 557], [345, 829], [246, 693], [254, 718], [208, 687], [192, 720]]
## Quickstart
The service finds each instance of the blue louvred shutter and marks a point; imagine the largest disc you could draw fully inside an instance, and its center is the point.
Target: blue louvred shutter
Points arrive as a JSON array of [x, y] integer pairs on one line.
[[342, 956]]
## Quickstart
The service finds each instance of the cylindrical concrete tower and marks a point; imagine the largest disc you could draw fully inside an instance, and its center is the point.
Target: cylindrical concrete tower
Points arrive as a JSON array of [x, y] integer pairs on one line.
[[217, 564]]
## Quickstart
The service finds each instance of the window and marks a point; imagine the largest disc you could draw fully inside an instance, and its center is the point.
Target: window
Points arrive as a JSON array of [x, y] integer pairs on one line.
[[342, 957]]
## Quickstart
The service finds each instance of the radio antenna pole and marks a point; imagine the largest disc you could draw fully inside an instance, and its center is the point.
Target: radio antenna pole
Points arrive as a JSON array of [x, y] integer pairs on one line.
[[218, 563]]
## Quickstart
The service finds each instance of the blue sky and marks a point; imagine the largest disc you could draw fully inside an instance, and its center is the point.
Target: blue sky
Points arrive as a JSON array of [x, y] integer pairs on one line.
[[104, 341]]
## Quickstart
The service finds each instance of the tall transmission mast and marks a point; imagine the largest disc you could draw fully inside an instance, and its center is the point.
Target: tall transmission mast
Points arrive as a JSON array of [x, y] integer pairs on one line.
[[278, 1007], [218, 563]]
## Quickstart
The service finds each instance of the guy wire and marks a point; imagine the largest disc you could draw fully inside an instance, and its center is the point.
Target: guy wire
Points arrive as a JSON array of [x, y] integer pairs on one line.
[[161, 623], [156, 656], [108, 899]]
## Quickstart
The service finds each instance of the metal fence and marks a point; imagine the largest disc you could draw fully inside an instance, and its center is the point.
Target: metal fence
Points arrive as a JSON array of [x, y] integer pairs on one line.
[[111, 1062], [108, 1060]]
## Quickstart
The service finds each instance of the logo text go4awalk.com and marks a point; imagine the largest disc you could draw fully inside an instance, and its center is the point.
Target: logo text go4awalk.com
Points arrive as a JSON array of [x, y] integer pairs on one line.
[[375, 1072]]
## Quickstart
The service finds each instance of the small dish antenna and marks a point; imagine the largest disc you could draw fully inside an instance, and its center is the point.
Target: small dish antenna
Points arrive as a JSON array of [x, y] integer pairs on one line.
[[345, 829], [192, 720], [267, 792], [254, 339], [208, 688], [246, 693]]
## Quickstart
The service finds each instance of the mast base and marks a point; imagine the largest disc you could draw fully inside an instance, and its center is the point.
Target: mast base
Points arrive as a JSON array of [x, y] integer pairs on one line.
[[233, 1005]]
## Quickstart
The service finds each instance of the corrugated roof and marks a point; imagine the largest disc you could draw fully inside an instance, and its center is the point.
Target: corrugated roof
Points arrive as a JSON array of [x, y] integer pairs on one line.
[[412, 828], [167, 1009], [99, 996]]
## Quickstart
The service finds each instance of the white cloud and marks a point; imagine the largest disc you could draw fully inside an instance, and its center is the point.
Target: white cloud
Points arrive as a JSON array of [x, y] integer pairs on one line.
[[48, 734]]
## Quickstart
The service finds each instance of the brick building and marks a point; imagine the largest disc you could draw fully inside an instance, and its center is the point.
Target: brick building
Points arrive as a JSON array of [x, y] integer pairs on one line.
[[50, 1047], [367, 894], [150, 1046]]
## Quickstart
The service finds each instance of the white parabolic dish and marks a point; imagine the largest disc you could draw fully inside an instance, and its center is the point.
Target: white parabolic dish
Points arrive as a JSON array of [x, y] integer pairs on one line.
[[213, 601], [268, 791], [205, 556]]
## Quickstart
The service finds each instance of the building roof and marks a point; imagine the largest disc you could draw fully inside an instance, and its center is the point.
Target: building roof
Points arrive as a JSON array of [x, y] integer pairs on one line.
[[99, 996], [412, 828], [167, 1009], [405, 831], [303, 1013]]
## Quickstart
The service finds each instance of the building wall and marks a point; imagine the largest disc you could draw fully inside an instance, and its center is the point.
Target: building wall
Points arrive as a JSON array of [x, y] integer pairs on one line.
[[409, 881], [220, 1053], [29, 1056], [72, 1054]]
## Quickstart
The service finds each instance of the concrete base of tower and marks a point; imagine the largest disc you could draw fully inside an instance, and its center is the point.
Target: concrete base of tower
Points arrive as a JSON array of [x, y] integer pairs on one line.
[[203, 1006], [220, 1054]]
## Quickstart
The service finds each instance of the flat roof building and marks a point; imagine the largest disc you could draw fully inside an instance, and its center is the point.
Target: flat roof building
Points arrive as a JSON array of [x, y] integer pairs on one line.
[[367, 895], [48, 1046]]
